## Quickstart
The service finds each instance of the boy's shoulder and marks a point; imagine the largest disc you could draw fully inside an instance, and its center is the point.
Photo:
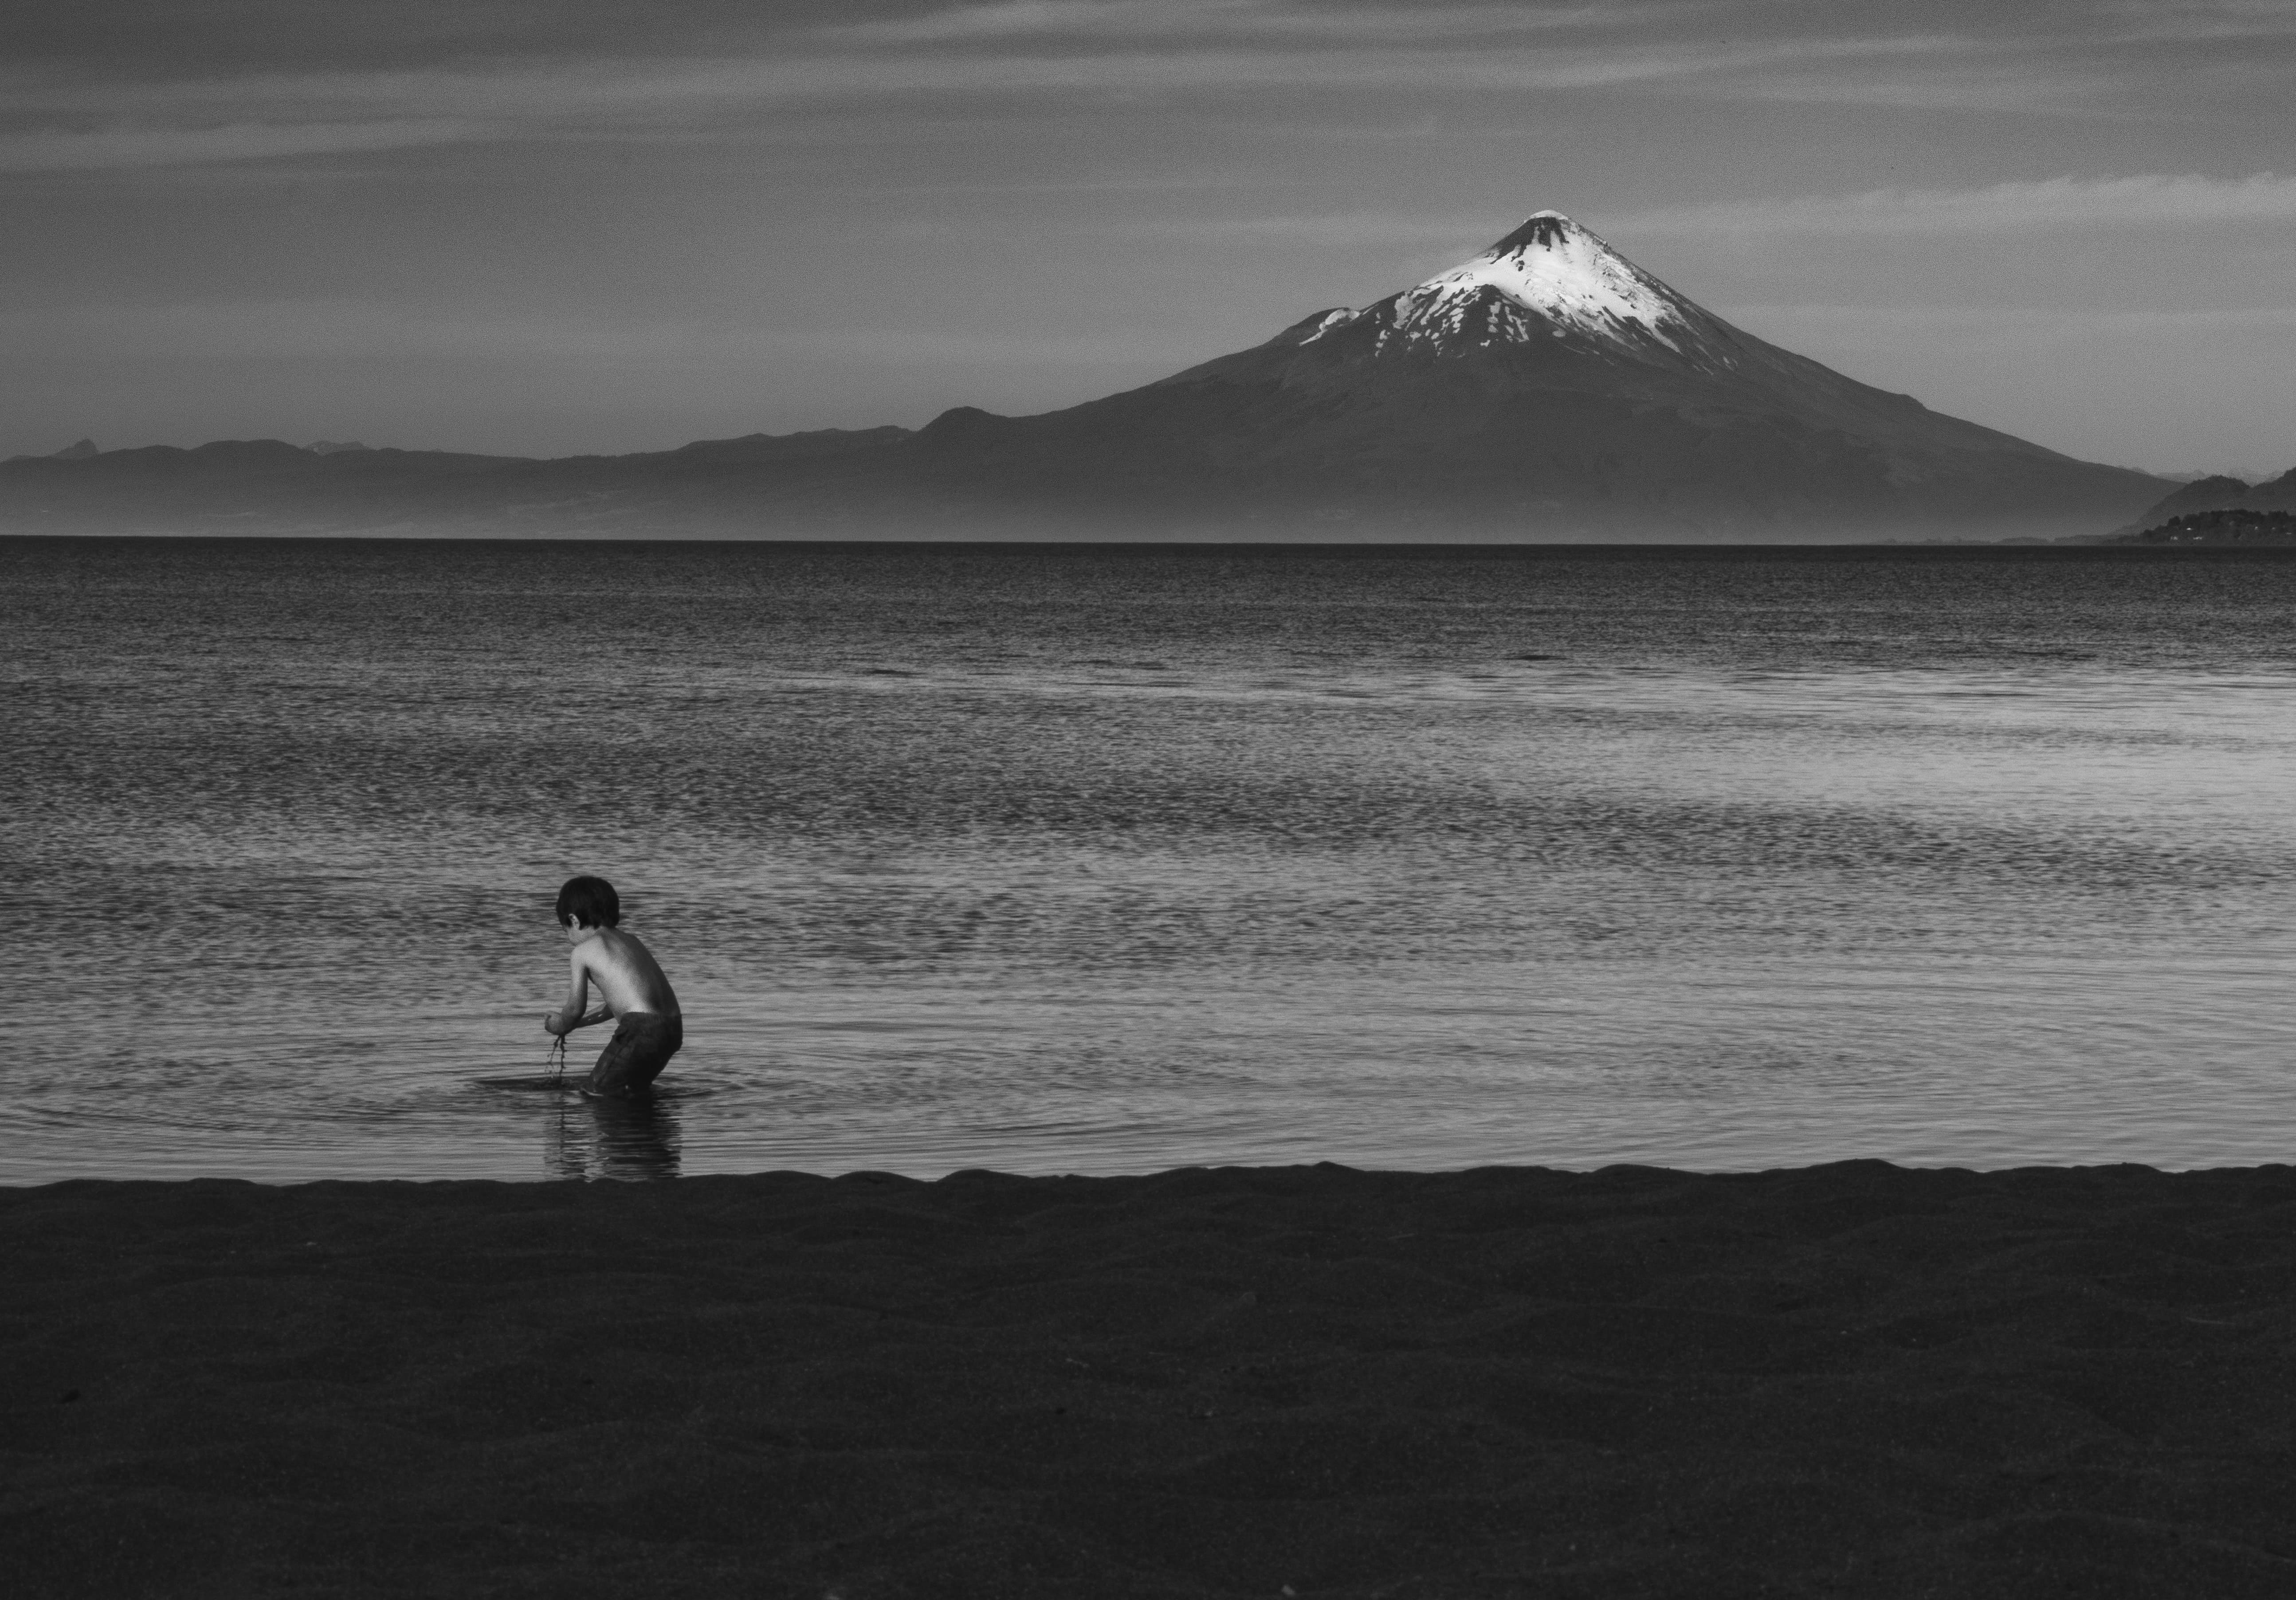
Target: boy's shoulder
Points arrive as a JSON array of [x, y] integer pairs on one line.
[[610, 944]]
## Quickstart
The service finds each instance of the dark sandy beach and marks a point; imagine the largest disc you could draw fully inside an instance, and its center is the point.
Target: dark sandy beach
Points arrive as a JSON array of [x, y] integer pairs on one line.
[[1849, 1379]]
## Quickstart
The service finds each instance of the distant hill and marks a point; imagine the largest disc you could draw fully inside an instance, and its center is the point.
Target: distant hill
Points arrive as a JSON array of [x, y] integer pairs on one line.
[[1548, 388], [2237, 526], [2211, 495]]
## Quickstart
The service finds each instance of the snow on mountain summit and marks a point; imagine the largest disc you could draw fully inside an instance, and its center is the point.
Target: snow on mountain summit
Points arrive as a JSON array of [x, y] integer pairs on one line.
[[1549, 279], [1552, 266]]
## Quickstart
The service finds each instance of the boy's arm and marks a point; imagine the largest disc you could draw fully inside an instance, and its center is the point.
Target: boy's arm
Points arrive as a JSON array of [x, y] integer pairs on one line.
[[571, 1015]]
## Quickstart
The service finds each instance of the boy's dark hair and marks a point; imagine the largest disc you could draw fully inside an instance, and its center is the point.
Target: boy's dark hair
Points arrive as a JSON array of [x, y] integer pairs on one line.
[[589, 903]]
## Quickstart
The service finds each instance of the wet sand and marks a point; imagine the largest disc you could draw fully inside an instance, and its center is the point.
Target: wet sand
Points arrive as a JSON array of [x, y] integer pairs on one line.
[[1847, 1380]]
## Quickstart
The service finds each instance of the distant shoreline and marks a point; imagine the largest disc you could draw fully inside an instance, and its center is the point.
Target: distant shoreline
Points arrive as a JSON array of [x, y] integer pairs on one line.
[[2113, 545]]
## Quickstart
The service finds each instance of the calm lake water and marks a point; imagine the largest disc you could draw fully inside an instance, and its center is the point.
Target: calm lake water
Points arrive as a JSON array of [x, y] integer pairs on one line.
[[1067, 859]]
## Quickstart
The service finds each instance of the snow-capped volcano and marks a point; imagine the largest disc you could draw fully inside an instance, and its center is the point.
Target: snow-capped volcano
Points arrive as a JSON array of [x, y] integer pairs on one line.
[[1549, 279], [1548, 388]]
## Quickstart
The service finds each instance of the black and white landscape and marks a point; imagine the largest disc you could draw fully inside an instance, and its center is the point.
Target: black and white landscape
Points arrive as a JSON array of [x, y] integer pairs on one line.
[[1406, 801]]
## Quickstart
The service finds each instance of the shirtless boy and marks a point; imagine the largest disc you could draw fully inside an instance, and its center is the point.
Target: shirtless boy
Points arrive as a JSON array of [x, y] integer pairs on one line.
[[648, 1030]]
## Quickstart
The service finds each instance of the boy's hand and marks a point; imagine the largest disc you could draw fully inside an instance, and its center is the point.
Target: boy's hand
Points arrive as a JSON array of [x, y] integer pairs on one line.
[[551, 1024]]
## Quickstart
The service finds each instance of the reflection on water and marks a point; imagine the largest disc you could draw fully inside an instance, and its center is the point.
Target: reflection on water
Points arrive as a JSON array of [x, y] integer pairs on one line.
[[632, 1138], [1110, 860]]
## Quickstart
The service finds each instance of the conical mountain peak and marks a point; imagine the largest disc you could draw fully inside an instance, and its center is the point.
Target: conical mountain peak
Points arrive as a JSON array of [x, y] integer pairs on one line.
[[1550, 279], [1542, 230], [1553, 268]]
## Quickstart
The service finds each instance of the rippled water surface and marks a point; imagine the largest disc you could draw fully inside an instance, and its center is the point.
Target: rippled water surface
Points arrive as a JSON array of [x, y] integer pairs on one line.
[[1109, 860]]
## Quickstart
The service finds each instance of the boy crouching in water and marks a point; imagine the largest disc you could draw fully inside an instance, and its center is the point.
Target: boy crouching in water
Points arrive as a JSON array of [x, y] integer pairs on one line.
[[648, 1029]]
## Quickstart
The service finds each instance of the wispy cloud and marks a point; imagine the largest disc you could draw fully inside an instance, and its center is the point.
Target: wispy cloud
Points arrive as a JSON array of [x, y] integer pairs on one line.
[[1050, 53], [1063, 21], [2144, 201], [179, 146], [2205, 21], [1923, 327], [308, 328], [1045, 59], [1337, 228]]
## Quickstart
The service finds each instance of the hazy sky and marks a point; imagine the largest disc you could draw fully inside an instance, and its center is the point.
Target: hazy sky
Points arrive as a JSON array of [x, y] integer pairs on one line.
[[548, 229]]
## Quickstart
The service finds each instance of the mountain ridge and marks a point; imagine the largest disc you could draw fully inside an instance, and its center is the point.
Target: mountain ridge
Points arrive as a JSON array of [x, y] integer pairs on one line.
[[1547, 388], [2219, 492]]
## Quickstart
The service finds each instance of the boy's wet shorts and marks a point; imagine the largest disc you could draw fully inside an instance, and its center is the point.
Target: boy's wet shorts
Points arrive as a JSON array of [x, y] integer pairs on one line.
[[644, 1042]]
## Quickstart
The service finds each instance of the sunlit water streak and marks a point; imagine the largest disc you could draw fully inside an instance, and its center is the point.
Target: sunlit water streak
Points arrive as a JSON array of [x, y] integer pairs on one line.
[[1113, 860]]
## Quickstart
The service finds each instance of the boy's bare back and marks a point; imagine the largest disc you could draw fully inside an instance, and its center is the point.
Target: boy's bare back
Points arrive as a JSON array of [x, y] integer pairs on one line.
[[628, 977]]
